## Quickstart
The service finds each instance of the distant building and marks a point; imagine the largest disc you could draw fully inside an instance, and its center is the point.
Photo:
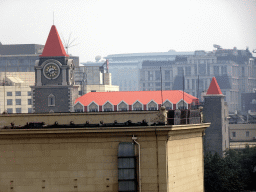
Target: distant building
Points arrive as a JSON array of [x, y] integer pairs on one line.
[[125, 68], [22, 57], [235, 71], [133, 101], [248, 102], [242, 134], [93, 77], [215, 111], [15, 92]]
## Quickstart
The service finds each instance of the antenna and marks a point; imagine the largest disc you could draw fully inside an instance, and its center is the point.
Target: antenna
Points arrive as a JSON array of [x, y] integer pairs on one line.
[[183, 88], [69, 43], [53, 17], [161, 85], [198, 90]]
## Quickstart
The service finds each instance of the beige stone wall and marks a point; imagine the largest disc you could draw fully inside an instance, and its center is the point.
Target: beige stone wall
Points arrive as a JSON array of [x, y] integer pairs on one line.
[[85, 160], [185, 162]]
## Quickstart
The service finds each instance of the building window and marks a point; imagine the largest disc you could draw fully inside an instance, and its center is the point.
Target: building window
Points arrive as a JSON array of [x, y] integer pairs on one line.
[[29, 101], [150, 75], [167, 76], [208, 69], [152, 106], [202, 69], [18, 110], [223, 70], [188, 84], [51, 100], [195, 69], [79, 110], [180, 71], [29, 93], [158, 84], [9, 101], [247, 133], [9, 93], [90, 110], [182, 105], [188, 71], [108, 107], [137, 106], [158, 75], [122, 106], [18, 93], [9, 110], [29, 110], [18, 101], [193, 84], [234, 134], [216, 70]]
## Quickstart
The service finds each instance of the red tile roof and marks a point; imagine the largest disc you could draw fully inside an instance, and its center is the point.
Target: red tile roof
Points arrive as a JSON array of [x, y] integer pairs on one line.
[[53, 46], [214, 88], [174, 96]]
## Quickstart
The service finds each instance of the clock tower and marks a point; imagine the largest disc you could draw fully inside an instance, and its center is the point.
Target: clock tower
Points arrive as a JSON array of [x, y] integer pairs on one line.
[[54, 89]]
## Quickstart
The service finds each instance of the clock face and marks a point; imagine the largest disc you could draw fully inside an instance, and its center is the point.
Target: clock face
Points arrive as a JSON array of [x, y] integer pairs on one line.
[[51, 71]]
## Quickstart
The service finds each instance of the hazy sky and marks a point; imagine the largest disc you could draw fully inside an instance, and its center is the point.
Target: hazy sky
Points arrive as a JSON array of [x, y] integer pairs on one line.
[[103, 27]]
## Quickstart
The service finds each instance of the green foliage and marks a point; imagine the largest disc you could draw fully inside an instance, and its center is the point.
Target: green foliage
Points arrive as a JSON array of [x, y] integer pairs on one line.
[[233, 172]]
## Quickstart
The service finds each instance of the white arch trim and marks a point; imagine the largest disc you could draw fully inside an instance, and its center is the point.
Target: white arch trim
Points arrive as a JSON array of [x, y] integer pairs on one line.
[[120, 103], [78, 102], [154, 102], [92, 103], [139, 102], [168, 101], [180, 101], [110, 104]]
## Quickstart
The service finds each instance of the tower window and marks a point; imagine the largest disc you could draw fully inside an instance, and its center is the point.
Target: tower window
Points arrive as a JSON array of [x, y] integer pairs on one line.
[[51, 100]]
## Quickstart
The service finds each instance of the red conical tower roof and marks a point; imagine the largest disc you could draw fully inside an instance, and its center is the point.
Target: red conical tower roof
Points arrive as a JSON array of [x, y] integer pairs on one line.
[[53, 46], [214, 88]]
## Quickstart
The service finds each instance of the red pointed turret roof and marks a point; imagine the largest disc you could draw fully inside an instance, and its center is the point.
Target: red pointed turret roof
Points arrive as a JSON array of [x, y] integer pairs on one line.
[[214, 88], [53, 46]]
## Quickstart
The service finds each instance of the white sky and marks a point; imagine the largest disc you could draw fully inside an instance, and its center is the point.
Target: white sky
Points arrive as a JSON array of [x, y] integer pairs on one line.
[[103, 27]]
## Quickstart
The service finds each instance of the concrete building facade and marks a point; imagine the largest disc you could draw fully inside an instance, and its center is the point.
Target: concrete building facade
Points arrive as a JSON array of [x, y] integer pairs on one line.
[[167, 158], [22, 57], [92, 77], [241, 135], [235, 71], [16, 95], [125, 68]]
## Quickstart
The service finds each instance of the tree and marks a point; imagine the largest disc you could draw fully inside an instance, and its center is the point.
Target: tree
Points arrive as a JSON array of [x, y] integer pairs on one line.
[[233, 172]]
